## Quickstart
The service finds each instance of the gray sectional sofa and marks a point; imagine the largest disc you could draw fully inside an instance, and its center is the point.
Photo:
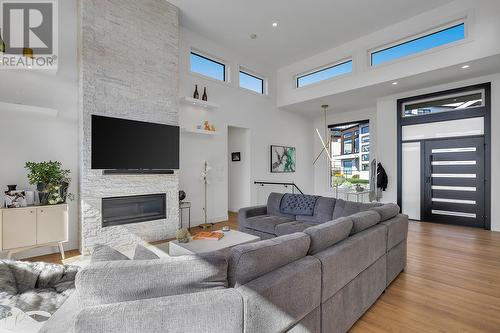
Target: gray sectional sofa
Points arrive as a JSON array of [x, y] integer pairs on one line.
[[326, 270]]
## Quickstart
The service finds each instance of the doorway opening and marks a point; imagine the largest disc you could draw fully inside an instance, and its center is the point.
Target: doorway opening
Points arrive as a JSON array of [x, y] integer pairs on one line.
[[239, 168], [444, 157]]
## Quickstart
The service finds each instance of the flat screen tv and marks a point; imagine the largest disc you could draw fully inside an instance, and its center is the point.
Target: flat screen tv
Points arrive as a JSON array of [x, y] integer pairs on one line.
[[120, 144]]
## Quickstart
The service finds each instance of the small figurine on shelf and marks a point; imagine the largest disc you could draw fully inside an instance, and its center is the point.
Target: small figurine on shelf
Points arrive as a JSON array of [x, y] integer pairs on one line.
[[212, 128], [204, 97], [196, 94], [206, 126]]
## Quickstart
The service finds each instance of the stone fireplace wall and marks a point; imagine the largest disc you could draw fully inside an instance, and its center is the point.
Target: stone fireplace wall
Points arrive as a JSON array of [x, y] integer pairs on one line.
[[128, 56]]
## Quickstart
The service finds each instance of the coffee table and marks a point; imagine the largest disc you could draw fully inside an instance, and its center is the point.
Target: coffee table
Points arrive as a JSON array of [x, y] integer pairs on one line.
[[230, 239]]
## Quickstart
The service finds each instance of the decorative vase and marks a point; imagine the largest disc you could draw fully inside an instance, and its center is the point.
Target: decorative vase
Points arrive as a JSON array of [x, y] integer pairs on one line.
[[196, 94], [182, 195], [43, 195], [63, 191], [11, 188], [204, 97]]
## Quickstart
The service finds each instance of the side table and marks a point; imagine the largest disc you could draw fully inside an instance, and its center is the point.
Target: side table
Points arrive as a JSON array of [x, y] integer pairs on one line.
[[182, 206]]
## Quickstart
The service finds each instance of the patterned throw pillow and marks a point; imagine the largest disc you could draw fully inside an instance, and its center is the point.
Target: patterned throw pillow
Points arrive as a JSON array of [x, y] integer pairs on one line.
[[298, 204]]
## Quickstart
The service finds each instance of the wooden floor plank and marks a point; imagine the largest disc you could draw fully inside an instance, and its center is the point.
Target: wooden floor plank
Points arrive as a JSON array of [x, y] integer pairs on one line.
[[451, 284]]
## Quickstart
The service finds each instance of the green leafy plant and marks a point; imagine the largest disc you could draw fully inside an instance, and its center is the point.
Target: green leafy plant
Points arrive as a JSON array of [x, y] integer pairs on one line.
[[47, 173], [51, 179]]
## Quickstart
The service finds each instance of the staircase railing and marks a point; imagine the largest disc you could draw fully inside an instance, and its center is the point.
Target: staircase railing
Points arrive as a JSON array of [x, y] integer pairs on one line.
[[285, 184]]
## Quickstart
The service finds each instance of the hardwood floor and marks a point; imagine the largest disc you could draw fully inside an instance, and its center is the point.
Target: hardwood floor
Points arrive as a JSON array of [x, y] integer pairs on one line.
[[451, 283]]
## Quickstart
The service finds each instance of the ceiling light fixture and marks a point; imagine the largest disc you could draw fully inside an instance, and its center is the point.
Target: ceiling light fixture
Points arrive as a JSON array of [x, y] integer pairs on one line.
[[395, 83], [275, 24], [465, 66], [253, 36]]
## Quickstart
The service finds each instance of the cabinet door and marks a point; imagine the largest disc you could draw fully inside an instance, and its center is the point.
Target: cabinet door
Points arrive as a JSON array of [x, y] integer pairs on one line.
[[19, 228], [52, 224]]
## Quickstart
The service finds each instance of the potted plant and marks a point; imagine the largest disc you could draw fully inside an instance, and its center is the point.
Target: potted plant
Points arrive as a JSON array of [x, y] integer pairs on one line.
[[51, 180]]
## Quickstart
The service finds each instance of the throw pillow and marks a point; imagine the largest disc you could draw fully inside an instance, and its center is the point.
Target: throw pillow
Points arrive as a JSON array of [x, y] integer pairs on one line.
[[106, 253], [142, 253]]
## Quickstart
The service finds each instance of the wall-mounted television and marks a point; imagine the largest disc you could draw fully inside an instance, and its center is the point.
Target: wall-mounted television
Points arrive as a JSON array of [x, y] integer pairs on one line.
[[121, 144]]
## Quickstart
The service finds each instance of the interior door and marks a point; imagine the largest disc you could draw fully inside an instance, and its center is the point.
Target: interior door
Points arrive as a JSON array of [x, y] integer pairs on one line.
[[453, 189]]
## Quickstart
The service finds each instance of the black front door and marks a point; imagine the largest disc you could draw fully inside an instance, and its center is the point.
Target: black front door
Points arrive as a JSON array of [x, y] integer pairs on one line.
[[453, 186]]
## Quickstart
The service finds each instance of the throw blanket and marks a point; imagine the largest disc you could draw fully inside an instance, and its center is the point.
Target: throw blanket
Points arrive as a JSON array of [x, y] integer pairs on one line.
[[298, 204], [34, 286]]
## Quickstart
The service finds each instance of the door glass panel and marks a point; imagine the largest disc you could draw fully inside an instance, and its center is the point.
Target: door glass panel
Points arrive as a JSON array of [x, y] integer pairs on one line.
[[454, 188], [460, 214], [465, 202], [453, 150], [454, 163], [453, 175], [441, 104]]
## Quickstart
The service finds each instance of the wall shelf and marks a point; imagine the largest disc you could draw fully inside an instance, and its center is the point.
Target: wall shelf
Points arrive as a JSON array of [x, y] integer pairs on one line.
[[200, 131], [17, 107], [199, 103]]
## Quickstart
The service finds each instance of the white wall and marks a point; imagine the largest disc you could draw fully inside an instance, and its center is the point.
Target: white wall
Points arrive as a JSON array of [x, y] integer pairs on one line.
[[483, 25], [35, 137], [239, 182], [267, 124]]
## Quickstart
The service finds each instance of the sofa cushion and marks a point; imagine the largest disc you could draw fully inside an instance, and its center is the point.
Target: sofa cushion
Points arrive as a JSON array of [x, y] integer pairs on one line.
[[327, 234], [103, 252], [345, 208], [249, 261], [276, 301], [364, 220], [142, 253], [298, 204], [397, 230], [387, 211], [121, 281], [273, 206], [343, 262], [266, 223], [323, 211], [291, 227]]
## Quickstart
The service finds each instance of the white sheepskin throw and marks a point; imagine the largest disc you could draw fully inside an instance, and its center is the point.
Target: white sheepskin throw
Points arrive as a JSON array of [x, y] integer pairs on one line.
[[34, 286]]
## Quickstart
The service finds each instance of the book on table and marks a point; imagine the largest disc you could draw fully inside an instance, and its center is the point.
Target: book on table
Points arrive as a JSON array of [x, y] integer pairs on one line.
[[209, 235]]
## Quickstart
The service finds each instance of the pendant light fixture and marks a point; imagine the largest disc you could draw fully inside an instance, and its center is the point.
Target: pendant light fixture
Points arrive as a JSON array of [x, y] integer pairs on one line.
[[328, 138]]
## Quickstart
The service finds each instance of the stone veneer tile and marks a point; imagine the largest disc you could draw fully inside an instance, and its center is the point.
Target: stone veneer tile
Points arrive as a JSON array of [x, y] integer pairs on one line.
[[128, 69]]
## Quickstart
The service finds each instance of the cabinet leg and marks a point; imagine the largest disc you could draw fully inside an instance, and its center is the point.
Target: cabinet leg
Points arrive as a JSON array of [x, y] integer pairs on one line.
[[61, 249]]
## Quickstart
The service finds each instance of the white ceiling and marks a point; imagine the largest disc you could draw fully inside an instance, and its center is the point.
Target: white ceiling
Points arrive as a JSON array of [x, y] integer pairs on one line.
[[305, 27]]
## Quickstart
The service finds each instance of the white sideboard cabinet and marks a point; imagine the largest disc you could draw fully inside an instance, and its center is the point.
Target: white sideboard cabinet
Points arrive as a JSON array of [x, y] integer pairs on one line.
[[35, 226]]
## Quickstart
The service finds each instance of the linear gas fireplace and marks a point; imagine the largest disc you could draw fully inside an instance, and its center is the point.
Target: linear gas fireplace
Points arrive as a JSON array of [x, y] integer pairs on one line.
[[133, 209]]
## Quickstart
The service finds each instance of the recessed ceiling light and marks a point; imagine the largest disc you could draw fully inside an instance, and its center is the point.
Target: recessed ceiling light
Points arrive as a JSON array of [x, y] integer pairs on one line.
[[253, 36], [465, 66], [395, 83], [275, 24]]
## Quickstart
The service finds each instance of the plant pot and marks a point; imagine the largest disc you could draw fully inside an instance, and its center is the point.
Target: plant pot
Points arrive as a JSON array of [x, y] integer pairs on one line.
[[43, 195], [63, 191]]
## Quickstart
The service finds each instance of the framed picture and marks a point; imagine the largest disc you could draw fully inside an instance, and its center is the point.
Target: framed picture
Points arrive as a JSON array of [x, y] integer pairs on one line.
[[283, 159], [236, 157]]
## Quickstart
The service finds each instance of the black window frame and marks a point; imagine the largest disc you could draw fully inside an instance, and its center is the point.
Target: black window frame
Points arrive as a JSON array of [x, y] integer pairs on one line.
[[212, 60], [262, 80]]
